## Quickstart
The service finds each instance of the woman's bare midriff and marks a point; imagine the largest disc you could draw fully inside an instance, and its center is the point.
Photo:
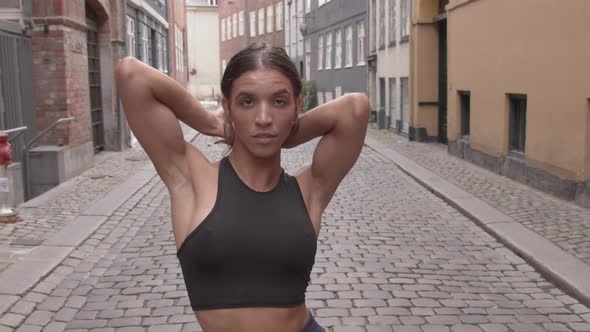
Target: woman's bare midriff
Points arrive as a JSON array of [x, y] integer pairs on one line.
[[253, 319]]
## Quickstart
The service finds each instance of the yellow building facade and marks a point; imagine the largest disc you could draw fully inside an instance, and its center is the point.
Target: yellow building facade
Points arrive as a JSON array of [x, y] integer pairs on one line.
[[506, 84]]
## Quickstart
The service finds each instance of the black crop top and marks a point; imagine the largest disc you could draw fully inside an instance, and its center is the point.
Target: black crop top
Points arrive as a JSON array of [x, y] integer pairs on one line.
[[255, 249]]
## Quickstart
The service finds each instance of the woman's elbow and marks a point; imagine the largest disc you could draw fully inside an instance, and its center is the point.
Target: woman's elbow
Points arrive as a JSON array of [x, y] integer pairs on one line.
[[361, 108], [126, 69]]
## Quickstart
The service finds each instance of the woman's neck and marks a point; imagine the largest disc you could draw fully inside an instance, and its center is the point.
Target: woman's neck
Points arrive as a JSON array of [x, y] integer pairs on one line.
[[260, 174]]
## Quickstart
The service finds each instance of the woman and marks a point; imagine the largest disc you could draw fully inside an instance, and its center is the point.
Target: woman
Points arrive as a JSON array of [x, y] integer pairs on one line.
[[245, 231]]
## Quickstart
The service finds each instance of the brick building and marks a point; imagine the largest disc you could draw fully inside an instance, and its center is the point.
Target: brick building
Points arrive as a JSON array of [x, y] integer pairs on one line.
[[75, 46], [244, 22]]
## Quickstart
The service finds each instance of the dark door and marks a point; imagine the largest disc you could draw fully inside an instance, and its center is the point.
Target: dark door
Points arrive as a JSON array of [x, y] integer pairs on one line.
[[442, 81], [94, 81], [382, 116]]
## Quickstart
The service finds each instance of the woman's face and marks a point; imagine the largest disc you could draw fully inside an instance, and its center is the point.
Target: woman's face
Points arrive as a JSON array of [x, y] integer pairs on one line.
[[262, 112]]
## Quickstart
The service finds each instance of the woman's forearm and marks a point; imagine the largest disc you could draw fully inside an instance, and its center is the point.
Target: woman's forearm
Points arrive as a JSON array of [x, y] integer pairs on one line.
[[133, 74], [320, 121]]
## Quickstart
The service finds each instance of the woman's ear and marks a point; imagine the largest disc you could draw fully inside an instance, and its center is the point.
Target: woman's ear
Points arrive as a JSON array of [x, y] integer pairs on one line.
[[225, 104]]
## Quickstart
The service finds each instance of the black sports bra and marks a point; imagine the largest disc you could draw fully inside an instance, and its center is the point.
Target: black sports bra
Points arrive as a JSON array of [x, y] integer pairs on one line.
[[255, 249]]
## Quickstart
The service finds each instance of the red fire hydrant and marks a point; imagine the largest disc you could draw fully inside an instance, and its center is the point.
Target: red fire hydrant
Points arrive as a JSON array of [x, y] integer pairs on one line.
[[5, 150], [7, 213]]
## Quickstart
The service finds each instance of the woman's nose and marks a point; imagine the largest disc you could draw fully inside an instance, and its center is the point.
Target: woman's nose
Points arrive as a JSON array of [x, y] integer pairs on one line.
[[263, 116]]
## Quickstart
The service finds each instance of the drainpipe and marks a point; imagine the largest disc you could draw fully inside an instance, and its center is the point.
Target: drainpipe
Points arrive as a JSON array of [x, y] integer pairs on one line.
[[118, 98]]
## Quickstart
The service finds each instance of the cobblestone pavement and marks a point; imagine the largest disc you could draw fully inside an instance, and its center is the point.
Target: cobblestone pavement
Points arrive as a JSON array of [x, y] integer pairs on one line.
[[564, 223], [391, 257], [39, 223]]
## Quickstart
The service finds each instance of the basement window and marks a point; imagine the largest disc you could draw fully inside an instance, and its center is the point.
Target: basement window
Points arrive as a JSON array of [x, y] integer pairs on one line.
[[517, 122], [465, 104]]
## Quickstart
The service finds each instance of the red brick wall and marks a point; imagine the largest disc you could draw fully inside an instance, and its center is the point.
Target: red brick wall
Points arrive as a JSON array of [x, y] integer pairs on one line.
[[60, 66], [227, 8], [177, 18]]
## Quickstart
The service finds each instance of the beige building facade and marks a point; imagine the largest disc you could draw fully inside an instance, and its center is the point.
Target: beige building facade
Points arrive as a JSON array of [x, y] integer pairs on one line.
[[203, 42], [505, 88]]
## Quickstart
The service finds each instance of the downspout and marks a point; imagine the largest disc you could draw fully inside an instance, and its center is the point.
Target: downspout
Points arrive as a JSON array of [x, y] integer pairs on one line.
[[118, 107]]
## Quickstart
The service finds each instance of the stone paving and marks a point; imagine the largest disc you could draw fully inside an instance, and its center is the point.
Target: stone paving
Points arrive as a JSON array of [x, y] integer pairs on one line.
[[391, 257], [564, 223], [41, 222]]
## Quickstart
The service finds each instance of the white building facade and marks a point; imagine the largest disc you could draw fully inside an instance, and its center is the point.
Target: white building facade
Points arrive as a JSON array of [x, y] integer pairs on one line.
[[389, 57], [203, 45]]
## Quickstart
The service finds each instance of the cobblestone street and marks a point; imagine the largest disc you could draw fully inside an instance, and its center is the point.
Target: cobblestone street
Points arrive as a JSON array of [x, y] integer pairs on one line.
[[391, 257]]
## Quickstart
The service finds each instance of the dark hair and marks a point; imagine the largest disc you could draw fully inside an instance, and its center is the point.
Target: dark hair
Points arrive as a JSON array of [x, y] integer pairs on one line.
[[255, 56]]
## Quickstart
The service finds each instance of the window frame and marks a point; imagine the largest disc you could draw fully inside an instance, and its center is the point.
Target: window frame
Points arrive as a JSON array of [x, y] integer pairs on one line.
[[338, 49], [328, 57], [361, 41], [261, 25], [349, 46], [517, 121], [269, 18]]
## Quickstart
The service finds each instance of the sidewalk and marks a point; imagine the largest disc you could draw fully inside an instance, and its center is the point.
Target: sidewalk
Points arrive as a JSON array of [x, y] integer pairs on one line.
[[53, 224], [553, 235]]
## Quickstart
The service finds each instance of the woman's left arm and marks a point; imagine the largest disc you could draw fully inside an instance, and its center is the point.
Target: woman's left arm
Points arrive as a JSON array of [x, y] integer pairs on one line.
[[342, 124]]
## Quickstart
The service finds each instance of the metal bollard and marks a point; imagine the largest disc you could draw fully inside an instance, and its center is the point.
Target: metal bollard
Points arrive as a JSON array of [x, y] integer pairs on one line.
[[7, 213]]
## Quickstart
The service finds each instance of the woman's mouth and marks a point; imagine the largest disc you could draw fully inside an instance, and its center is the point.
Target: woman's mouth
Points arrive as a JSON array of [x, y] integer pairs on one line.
[[264, 138]]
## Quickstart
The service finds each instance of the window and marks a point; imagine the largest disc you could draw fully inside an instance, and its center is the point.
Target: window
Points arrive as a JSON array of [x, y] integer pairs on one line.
[[228, 33], [328, 96], [130, 36], [300, 13], [160, 65], [144, 43], [223, 29], [404, 104], [465, 103], [234, 19], [381, 24], [360, 47], [338, 45], [320, 97], [179, 49], [293, 28], [392, 113], [261, 21], [279, 16], [517, 134], [392, 13], [269, 21], [288, 29], [328, 64], [321, 2], [338, 92], [241, 22], [373, 26], [308, 59], [320, 52], [212, 2], [405, 23], [253, 24], [164, 54], [307, 6], [348, 46]]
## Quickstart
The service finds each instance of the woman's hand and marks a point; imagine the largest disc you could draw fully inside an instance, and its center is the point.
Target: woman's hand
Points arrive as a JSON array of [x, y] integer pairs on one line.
[[219, 122]]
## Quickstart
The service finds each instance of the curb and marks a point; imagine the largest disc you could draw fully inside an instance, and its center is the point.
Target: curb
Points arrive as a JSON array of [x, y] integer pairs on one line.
[[566, 271], [20, 277]]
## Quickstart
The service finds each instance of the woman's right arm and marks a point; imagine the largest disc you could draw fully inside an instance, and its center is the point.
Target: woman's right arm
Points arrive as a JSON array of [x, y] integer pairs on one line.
[[153, 103]]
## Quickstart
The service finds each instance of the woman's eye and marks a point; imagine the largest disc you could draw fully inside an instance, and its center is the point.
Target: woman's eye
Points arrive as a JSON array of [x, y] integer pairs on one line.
[[280, 102]]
